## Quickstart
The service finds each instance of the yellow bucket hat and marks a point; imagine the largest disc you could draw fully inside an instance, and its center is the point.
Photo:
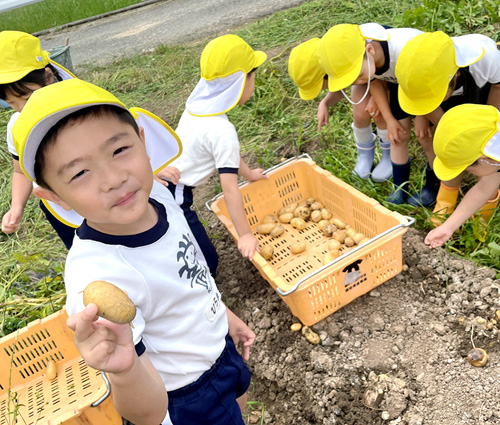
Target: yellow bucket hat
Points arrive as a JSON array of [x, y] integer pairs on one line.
[[425, 67], [48, 105], [225, 63], [463, 135], [341, 51], [304, 69], [20, 53]]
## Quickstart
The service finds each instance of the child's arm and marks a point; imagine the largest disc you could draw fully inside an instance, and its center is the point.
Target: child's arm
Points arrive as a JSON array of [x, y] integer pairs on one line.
[[21, 190], [473, 200], [379, 94], [251, 175], [494, 96], [139, 394], [168, 174], [331, 99], [239, 331], [247, 242]]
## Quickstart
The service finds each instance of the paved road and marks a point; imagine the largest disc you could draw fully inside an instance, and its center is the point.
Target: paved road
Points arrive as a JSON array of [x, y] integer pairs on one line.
[[166, 22]]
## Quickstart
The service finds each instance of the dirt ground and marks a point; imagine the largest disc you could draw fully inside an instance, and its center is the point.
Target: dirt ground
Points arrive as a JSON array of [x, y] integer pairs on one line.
[[397, 355]]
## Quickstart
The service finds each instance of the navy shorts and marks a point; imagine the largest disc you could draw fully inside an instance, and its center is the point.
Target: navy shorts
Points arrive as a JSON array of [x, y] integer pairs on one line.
[[211, 400]]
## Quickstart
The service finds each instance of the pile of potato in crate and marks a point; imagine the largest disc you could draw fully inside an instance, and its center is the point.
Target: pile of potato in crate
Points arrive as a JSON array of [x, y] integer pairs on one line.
[[297, 217]]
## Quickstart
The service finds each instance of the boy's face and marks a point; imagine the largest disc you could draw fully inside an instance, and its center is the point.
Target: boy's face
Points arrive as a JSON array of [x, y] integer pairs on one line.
[[366, 74], [99, 167], [17, 102]]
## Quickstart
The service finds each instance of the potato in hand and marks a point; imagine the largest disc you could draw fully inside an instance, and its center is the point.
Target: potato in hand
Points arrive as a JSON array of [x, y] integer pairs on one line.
[[112, 303]]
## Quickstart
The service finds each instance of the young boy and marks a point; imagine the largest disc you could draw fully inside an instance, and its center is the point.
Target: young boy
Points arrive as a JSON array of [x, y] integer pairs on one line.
[[350, 58], [210, 142], [24, 68], [84, 149], [307, 74], [467, 138], [437, 72]]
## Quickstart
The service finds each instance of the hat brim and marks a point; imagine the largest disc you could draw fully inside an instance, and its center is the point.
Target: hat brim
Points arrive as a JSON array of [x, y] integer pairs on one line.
[[311, 93], [445, 173], [339, 83], [260, 58], [420, 107]]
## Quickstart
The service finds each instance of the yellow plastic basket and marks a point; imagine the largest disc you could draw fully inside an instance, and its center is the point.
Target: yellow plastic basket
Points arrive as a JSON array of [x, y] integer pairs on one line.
[[313, 291], [77, 396]]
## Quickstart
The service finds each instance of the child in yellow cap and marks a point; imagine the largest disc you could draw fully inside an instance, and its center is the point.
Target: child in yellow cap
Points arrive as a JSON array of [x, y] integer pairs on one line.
[[349, 57], [24, 68], [437, 72], [210, 142], [178, 363], [307, 74], [467, 138]]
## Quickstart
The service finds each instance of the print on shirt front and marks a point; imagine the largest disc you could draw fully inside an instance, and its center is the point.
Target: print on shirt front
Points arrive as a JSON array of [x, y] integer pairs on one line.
[[195, 272]]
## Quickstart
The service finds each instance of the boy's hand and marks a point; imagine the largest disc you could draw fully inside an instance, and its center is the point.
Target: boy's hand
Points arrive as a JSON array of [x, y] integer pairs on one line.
[[257, 174], [104, 345], [438, 236], [11, 221], [247, 245], [323, 115], [170, 173], [394, 131], [240, 332], [372, 108], [422, 127]]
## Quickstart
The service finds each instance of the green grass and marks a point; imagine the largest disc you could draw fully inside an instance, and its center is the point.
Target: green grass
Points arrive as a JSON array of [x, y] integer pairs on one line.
[[52, 13], [275, 123]]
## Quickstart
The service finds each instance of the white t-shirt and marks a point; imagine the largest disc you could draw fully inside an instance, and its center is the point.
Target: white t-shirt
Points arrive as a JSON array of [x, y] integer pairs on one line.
[[208, 144], [486, 69], [180, 316], [10, 140], [398, 37]]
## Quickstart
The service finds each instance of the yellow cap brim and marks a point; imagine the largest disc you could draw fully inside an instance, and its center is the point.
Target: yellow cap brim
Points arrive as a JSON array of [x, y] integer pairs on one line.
[[420, 106], [260, 58], [445, 173], [311, 93], [338, 83]]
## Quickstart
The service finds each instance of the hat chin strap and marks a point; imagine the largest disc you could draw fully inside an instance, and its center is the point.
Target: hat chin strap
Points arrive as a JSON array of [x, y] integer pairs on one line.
[[367, 88]]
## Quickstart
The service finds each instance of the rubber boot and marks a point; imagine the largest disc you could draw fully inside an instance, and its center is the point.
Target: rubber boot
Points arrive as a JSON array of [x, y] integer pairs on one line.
[[487, 209], [364, 162], [445, 203], [427, 195], [400, 180], [383, 170]]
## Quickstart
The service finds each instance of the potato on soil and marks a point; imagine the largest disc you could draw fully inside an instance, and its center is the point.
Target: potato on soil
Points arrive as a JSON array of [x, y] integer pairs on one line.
[[334, 244], [310, 335], [298, 223], [270, 218], [266, 252], [297, 247], [316, 216], [277, 231], [317, 206], [265, 229], [322, 224], [112, 303], [326, 214], [329, 230], [477, 357], [285, 218], [338, 222], [296, 327], [302, 212]]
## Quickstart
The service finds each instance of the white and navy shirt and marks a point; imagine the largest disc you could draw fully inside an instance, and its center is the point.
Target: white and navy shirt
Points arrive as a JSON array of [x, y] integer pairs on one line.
[[209, 144], [181, 322]]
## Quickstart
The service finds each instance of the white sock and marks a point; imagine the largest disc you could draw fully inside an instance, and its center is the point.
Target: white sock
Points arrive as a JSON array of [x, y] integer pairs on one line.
[[382, 135], [362, 135]]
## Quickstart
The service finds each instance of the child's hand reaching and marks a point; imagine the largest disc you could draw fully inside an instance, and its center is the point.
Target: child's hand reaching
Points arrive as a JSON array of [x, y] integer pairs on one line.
[[104, 345], [247, 245], [257, 174], [11, 221], [240, 332], [323, 115], [168, 174], [438, 236]]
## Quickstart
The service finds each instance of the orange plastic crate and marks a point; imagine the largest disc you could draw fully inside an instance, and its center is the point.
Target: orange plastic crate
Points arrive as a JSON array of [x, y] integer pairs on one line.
[[313, 291], [28, 397]]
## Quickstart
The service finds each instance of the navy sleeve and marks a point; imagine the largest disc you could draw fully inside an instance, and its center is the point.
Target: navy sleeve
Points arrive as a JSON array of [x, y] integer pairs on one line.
[[227, 170], [140, 348]]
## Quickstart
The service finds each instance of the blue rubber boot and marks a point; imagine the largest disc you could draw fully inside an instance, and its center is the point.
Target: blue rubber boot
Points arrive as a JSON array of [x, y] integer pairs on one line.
[[427, 195], [400, 180], [383, 170]]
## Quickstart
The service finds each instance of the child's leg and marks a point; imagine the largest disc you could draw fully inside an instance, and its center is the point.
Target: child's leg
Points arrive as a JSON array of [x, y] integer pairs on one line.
[[446, 200], [401, 163], [242, 402], [363, 133]]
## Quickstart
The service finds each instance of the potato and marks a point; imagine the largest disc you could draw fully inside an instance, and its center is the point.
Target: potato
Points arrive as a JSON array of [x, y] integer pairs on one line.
[[316, 216], [348, 241], [277, 231], [310, 201], [329, 229], [326, 214], [338, 222], [270, 218], [298, 223], [317, 206], [333, 244], [51, 373], [296, 327], [330, 256], [350, 231], [302, 212], [112, 303], [322, 224], [358, 237], [340, 235], [297, 247], [288, 209], [266, 251], [285, 218], [265, 229], [310, 335]]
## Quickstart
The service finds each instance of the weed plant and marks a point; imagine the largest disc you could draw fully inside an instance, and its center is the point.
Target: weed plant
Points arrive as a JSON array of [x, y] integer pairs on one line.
[[274, 124]]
